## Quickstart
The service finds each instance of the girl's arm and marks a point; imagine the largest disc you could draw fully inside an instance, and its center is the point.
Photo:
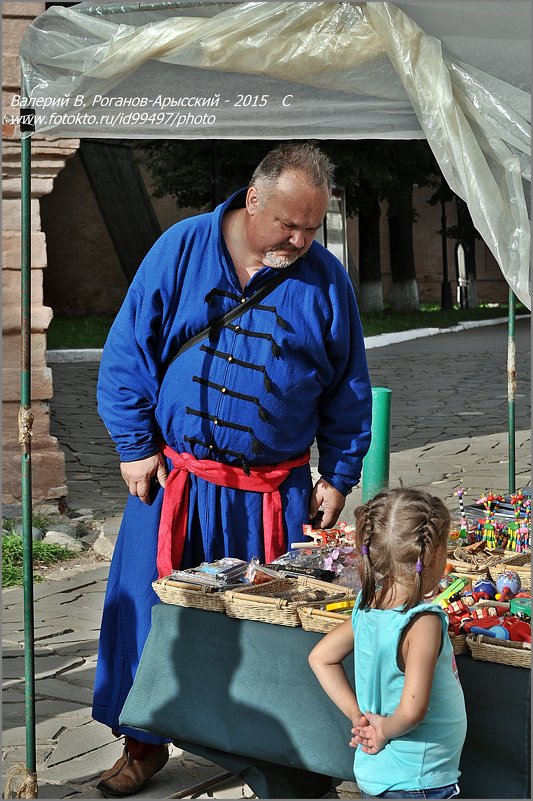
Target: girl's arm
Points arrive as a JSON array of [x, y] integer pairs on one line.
[[420, 651], [326, 663]]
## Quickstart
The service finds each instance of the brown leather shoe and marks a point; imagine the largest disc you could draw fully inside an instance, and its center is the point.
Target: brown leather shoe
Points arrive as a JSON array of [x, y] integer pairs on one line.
[[129, 775]]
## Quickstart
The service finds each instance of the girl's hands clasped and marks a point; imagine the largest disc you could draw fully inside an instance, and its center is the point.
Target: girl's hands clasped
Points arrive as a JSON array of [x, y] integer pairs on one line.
[[368, 734]]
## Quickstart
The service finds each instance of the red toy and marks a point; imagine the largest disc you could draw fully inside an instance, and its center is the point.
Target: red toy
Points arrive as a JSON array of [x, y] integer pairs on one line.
[[484, 623], [519, 630]]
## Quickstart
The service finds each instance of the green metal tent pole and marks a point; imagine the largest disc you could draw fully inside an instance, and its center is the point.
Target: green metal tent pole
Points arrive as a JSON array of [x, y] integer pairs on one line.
[[511, 389], [377, 461], [25, 424]]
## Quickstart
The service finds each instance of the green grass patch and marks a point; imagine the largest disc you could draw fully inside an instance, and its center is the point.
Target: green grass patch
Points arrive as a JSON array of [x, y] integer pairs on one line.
[[78, 332], [44, 554], [430, 316], [91, 331], [40, 521]]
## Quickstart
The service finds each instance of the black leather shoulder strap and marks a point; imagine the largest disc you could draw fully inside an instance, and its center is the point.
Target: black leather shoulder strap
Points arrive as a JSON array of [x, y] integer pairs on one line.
[[216, 325]]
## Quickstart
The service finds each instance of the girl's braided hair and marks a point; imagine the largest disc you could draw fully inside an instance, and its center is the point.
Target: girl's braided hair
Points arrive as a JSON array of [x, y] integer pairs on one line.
[[398, 532]]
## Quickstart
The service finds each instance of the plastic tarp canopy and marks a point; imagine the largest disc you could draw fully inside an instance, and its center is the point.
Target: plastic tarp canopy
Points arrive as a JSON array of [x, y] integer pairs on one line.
[[456, 73]]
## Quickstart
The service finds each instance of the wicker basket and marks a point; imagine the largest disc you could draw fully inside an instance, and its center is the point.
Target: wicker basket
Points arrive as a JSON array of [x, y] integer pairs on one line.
[[514, 560], [458, 642], [520, 563], [320, 620], [182, 594], [473, 565], [490, 649], [262, 602], [484, 604]]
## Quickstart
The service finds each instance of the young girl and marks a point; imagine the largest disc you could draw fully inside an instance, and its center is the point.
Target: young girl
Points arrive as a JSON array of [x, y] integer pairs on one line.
[[407, 711]]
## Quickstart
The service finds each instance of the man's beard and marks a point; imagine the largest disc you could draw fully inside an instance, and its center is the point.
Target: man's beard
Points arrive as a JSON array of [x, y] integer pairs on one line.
[[281, 262]]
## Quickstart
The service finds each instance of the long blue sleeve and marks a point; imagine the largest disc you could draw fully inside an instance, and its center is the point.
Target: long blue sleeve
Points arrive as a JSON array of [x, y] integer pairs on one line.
[[345, 407], [135, 351]]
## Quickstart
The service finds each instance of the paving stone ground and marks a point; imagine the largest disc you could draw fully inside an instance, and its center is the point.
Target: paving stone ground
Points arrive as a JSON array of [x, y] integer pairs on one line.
[[449, 397], [449, 425]]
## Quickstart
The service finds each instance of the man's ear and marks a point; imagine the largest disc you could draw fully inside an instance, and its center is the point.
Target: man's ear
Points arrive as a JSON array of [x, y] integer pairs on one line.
[[252, 200]]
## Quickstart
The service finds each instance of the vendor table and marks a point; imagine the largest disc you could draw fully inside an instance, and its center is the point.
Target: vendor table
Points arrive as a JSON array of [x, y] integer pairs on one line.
[[241, 693]]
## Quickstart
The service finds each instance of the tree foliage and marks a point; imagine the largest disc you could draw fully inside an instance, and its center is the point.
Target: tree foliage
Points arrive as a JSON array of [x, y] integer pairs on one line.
[[200, 173]]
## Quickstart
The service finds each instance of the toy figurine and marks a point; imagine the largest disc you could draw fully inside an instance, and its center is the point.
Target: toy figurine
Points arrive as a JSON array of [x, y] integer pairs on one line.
[[523, 539], [512, 538], [517, 500], [452, 592], [501, 535], [463, 526], [343, 535], [489, 536]]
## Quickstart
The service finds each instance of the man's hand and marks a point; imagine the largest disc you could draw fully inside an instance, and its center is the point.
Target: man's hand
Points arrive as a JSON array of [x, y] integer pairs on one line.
[[330, 502], [137, 475]]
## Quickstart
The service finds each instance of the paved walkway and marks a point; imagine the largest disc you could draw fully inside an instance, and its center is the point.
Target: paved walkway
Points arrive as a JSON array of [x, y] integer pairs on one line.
[[449, 398], [448, 428]]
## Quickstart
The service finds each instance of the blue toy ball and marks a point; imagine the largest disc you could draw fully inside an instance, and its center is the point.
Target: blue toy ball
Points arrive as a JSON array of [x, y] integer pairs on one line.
[[508, 583], [500, 632], [485, 585]]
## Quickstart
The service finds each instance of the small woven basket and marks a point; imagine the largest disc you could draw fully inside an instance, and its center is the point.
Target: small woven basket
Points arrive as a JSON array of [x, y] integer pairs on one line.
[[473, 565], [490, 649], [514, 560], [319, 619], [263, 603], [180, 593], [458, 642]]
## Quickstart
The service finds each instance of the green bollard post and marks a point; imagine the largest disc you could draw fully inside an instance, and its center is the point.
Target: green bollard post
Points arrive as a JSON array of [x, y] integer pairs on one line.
[[511, 390], [377, 461]]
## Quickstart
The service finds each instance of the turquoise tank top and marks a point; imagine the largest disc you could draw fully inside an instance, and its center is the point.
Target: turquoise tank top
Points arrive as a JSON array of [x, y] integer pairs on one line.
[[428, 756]]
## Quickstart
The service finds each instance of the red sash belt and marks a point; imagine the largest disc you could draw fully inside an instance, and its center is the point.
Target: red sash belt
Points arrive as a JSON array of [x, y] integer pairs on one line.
[[175, 509]]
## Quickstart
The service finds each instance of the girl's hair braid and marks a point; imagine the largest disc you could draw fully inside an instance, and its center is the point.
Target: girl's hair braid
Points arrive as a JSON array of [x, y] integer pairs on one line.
[[399, 532], [368, 580], [427, 537]]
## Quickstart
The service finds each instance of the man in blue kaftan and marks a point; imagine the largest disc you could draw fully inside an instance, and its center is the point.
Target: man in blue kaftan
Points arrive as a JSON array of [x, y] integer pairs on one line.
[[258, 393]]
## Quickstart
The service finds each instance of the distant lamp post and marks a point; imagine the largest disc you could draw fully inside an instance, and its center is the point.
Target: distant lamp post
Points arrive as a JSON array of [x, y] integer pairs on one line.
[[462, 281], [446, 289]]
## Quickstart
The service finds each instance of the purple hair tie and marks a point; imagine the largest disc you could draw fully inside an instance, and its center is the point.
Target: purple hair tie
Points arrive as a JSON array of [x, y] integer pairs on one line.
[[364, 550], [418, 567]]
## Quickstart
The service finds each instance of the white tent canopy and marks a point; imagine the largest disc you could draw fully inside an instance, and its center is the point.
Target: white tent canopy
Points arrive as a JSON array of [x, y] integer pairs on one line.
[[456, 73]]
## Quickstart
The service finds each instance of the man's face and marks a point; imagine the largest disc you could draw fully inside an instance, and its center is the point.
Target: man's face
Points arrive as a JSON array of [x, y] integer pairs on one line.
[[282, 219]]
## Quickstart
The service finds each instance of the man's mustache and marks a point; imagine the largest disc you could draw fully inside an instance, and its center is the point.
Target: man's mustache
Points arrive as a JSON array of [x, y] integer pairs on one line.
[[285, 246]]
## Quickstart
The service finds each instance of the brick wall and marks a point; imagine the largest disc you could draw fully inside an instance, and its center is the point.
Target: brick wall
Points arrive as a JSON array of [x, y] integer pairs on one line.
[[48, 158], [491, 285]]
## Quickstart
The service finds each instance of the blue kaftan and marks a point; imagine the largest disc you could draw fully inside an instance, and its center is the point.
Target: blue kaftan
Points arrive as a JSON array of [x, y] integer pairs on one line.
[[288, 370]]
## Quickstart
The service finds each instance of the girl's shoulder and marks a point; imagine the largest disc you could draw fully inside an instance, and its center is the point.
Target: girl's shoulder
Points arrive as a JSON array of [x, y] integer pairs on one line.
[[425, 609], [425, 614], [424, 626]]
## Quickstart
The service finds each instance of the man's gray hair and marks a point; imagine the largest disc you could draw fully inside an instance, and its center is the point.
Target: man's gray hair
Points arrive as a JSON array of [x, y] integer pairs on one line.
[[303, 156]]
